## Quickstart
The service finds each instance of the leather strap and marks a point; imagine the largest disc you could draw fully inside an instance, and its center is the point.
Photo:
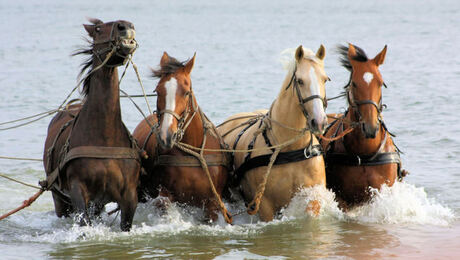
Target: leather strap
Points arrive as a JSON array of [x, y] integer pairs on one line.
[[283, 158], [191, 161]]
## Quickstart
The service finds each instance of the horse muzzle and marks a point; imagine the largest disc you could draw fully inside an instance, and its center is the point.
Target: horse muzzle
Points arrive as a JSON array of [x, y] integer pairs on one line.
[[318, 125], [369, 131], [166, 141], [127, 42]]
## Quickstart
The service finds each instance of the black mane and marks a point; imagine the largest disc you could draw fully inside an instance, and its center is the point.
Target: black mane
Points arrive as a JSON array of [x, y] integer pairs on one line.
[[360, 56], [171, 67], [86, 66]]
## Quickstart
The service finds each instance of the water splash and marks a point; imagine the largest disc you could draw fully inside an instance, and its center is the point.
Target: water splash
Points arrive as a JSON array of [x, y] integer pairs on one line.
[[401, 204]]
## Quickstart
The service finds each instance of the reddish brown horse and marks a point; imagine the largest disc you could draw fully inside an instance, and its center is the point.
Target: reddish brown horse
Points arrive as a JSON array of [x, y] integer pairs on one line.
[[90, 158], [171, 172], [366, 157]]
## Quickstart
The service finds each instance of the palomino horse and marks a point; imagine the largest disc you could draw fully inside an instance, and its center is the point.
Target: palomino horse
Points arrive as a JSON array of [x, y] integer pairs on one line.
[[367, 157], [299, 108], [171, 171], [90, 157]]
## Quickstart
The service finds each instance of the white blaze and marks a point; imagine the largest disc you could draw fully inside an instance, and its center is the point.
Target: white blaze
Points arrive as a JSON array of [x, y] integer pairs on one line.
[[368, 77], [171, 88], [314, 89]]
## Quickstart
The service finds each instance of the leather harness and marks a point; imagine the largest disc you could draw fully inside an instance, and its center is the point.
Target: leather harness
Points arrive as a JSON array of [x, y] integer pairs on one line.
[[283, 157], [53, 181]]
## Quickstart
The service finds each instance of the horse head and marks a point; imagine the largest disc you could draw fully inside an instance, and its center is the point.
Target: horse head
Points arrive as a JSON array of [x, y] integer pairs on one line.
[[309, 79], [175, 100], [364, 90], [113, 38]]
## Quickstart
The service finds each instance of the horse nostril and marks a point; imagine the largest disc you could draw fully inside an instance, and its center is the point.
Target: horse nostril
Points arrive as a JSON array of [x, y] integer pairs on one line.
[[313, 123], [121, 27]]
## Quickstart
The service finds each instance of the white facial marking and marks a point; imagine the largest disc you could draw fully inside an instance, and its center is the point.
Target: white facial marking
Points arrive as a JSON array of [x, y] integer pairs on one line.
[[171, 88], [368, 77], [318, 108]]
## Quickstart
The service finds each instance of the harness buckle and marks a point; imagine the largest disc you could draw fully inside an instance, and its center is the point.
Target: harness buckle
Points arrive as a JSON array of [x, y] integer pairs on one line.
[[359, 160], [307, 153]]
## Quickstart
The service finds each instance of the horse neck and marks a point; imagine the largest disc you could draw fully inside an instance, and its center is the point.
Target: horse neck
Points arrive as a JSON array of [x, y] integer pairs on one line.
[[286, 110], [99, 122], [356, 143], [193, 135]]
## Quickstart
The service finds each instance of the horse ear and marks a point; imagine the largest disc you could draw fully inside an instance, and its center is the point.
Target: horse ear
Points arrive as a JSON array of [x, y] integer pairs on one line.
[[321, 53], [351, 51], [90, 29], [94, 20], [164, 59], [299, 53], [380, 58], [189, 66]]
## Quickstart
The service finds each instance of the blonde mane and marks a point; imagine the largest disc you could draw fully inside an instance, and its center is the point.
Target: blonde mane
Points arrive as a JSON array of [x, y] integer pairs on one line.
[[288, 60]]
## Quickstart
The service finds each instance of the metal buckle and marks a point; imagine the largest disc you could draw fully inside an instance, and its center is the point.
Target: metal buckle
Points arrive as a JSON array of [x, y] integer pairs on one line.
[[359, 160]]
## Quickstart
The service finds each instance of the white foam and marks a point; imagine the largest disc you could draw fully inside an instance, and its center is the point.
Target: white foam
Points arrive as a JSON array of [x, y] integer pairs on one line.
[[401, 204]]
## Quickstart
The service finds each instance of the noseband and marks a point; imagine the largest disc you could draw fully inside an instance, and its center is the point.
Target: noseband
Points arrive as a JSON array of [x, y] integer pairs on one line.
[[303, 101], [356, 103]]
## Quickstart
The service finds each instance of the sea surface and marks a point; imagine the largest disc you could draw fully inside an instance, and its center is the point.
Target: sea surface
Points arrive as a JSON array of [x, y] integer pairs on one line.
[[237, 69]]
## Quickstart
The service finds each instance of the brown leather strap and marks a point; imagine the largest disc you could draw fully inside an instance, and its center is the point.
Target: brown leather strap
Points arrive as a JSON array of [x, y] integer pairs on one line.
[[191, 161], [96, 152]]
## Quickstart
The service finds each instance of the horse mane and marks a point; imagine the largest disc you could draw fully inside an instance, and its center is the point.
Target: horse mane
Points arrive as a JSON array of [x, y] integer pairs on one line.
[[288, 60], [169, 68], [87, 65], [360, 56]]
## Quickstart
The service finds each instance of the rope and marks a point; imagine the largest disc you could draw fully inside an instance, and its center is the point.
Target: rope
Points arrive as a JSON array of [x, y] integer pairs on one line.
[[142, 86], [30, 122], [18, 181], [138, 96], [29, 117], [288, 142], [25, 204], [253, 207], [20, 158], [344, 133], [225, 213]]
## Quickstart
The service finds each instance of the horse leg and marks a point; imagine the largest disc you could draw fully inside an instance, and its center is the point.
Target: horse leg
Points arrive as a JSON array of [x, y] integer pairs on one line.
[[60, 207], [266, 210], [211, 210], [128, 207], [78, 198]]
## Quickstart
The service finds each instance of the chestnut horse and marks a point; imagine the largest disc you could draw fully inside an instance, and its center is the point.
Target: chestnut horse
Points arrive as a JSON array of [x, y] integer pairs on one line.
[[171, 172], [90, 157], [366, 157], [299, 107]]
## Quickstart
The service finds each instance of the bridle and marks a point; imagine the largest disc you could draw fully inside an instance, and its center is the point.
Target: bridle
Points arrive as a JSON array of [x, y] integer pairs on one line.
[[303, 101], [182, 124], [114, 41], [356, 103]]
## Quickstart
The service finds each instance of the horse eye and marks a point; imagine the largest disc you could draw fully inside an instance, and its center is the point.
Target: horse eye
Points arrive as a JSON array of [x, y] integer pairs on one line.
[[300, 81]]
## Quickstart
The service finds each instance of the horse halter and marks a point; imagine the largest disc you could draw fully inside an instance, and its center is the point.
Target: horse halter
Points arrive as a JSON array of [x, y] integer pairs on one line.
[[303, 101], [356, 103], [114, 41], [182, 125]]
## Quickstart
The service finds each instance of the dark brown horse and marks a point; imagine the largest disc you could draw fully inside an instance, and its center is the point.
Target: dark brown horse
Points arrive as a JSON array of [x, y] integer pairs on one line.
[[90, 157], [366, 157], [171, 172]]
